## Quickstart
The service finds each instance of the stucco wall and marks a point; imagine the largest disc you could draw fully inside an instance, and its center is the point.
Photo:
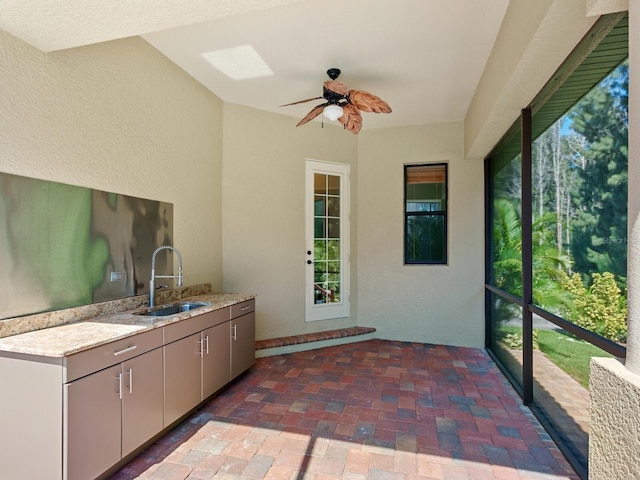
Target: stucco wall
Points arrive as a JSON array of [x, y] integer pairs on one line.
[[534, 40], [263, 220], [614, 432], [426, 303], [119, 117]]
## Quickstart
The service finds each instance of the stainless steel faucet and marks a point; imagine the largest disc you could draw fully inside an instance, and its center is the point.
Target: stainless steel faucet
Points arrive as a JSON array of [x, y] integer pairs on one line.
[[152, 282]]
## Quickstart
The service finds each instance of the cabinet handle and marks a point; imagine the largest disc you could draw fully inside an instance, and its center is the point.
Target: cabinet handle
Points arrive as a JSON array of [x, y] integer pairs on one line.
[[201, 347], [235, 331], [120, 352], [246, 307], [120, 386], [207, 340], [130, 381]]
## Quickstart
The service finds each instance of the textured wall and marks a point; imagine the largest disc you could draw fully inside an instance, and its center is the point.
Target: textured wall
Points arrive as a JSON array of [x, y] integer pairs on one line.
[[427, 303], [614, 433], [119, 117], [533, 41], [263, 221]]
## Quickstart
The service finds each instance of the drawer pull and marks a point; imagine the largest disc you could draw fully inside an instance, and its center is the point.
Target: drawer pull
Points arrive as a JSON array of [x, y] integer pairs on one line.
[[120, 352], [246, 307]]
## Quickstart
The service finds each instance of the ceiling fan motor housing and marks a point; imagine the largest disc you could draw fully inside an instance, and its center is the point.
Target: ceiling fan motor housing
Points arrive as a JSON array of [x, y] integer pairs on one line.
[[333, 73]]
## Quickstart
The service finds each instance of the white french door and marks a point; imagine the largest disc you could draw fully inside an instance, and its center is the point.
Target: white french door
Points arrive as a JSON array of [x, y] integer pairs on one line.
[[327, 240]]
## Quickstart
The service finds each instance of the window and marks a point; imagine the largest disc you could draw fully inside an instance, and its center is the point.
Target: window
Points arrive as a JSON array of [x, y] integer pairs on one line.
[[425, 214]]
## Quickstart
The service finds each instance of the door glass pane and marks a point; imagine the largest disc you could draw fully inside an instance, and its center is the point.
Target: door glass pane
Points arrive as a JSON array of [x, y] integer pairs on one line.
[[333, 206], [333, 185], [326, 238], [320, 184], [319, 205], [319, 227]]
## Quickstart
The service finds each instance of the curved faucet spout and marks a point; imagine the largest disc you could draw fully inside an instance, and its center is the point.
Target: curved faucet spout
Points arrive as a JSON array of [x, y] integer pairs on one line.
[[152, 282]]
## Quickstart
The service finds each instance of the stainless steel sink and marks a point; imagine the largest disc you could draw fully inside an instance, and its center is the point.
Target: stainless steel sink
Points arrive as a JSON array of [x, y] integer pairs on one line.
[[166, 310]]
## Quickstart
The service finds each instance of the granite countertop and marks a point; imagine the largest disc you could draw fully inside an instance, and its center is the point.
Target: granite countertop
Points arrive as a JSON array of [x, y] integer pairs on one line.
[[64, 340]]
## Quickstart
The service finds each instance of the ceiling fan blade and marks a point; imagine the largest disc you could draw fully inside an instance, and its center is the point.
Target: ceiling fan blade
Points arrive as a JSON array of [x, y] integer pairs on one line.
[[336, 87], [351, 118], [367, 102], [312, 114], [301, 101]]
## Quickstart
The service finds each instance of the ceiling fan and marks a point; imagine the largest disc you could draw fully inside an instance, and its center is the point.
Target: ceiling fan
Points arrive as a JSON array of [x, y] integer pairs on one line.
[[343, 104]]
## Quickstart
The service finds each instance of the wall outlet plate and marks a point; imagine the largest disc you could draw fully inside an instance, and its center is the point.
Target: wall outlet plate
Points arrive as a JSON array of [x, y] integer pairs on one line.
[[116, 276]]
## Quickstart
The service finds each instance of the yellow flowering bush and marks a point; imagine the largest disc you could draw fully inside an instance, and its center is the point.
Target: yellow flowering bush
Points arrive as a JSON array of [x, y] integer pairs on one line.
[[600, 308]]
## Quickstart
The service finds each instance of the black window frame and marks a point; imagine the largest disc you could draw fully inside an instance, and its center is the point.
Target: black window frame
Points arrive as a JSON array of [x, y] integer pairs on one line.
[[443, 213]]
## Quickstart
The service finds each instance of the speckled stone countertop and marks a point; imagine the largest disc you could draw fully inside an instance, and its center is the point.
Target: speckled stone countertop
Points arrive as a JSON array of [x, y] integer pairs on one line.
[[69, 338]]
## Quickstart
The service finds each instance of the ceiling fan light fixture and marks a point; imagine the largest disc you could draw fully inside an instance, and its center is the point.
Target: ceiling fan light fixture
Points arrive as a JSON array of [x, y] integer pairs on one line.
[[333, 112]]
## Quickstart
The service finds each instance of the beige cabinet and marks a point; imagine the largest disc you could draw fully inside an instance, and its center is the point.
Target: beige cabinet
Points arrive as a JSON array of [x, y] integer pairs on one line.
[[142, 399], [123, 403], [196, 361], [182, 377], [93, 405], [216, 359], [85, 413], [243, 338]]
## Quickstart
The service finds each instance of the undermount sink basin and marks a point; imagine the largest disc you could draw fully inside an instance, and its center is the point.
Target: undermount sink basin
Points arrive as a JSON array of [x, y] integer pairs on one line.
[[180, 307]]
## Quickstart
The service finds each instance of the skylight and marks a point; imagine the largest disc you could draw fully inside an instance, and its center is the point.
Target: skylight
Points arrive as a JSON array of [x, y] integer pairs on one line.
[[239, 63]]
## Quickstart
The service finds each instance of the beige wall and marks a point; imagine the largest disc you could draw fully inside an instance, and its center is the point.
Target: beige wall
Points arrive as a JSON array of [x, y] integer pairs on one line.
[[425, 303], [119, 117], [534, 40], [263, 219]]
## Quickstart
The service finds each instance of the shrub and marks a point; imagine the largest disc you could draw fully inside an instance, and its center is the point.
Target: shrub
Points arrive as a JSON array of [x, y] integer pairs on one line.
[[514, 340], [600, 308]]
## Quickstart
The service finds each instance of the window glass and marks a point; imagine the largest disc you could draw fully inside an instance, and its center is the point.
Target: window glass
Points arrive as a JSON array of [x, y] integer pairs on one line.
[[426, 214]]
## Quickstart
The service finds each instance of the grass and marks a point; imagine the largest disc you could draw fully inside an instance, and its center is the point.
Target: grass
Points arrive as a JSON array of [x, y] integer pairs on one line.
[[569, 353]]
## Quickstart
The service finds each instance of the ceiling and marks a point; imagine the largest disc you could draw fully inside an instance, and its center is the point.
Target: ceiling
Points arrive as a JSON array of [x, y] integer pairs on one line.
[[424, 57]]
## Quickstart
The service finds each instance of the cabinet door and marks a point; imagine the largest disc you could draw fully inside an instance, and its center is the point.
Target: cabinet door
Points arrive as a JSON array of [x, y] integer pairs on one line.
[[216, 359], [93, 427], [142, 403], [243, 343], [182, 377]]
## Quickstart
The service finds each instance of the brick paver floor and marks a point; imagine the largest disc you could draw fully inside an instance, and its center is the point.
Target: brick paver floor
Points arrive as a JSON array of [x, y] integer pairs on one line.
[[368, 410]]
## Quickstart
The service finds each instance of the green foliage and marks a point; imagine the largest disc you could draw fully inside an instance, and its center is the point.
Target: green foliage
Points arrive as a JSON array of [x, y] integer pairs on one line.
[[547, 261], [600, 307], [599, 240], [514, 340]]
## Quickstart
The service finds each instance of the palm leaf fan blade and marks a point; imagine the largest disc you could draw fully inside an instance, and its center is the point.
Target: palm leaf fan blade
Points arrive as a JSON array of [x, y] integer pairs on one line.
[[351, 118], [336, 87], [367, 102], [312, 114]]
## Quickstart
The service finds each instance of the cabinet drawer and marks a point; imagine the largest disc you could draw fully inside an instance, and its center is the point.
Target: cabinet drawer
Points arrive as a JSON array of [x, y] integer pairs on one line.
[[184, 328], [243, 308], [89, 361]]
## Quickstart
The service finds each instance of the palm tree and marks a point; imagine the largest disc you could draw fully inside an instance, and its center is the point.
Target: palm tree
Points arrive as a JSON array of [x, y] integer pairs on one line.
[[547, 260]]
